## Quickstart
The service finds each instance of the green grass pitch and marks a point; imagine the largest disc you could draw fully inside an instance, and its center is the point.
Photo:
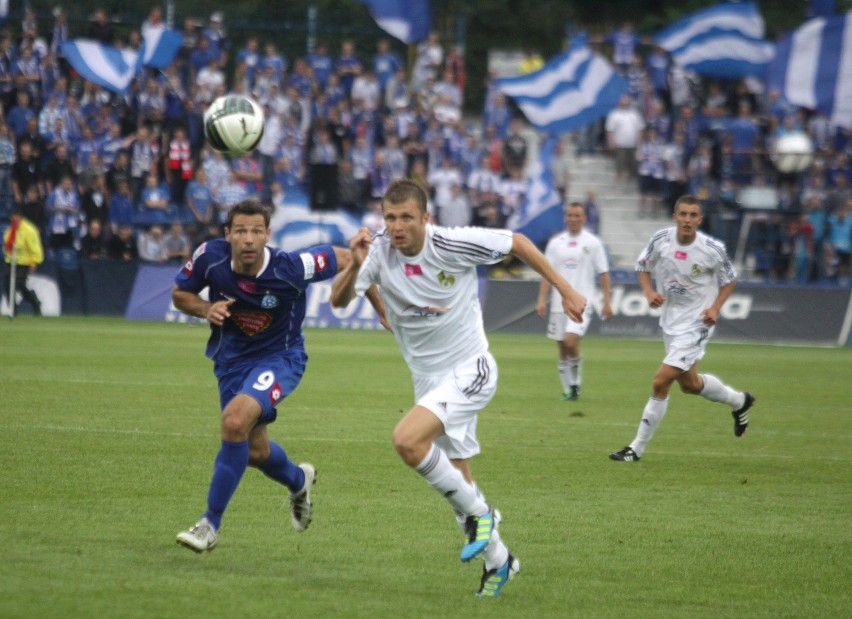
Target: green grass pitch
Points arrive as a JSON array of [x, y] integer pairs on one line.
[[108, 431]]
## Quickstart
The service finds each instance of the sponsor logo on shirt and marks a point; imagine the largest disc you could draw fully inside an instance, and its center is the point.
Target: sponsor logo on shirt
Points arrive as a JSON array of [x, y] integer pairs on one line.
[[446, 280], [247, 286], [321, 261], [675, 287], [572, 243], [275, 394], [680, 255], [308, 264], [413, 269], [251, 322], [187, 268]]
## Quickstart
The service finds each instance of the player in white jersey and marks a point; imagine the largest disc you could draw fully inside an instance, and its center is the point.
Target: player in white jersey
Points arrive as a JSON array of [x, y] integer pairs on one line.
[[427, 277], [579, 257], [694, 277]]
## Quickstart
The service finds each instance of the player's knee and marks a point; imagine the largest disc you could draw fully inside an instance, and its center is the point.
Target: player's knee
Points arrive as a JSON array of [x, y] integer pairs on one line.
[[407, 448], [234, 427]]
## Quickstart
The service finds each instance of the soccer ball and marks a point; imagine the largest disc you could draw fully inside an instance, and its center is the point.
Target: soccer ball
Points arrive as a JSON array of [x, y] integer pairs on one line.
[[233, 124]]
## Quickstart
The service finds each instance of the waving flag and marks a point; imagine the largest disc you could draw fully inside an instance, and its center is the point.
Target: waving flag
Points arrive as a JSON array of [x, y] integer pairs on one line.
[[540, 216], [813, 67], [115, 68], [407, 20], [104, 65], [295, 226], [568, 92], [725, 40]]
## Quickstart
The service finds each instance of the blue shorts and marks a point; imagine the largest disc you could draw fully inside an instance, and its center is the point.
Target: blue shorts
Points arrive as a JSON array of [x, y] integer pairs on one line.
[[267, 379]]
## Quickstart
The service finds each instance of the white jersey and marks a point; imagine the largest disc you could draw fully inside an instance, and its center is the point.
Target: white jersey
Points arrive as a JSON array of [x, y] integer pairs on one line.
[[688, 276], [432, 299], [579, 259]]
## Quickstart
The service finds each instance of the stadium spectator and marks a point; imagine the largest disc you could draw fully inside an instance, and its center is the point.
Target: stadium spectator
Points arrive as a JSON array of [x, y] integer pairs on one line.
[[691, 300], [122, 246], [151, 243], [176, 243], [93, 202], [579, 257], [259, 352], [623, 128], [199, 198], [447, 355], [63, 209], [93, 245]]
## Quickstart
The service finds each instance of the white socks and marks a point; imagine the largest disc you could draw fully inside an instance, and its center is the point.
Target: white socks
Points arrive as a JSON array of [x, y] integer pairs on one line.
[[653, 414], [717, 391], [570, 372], [448, 480]]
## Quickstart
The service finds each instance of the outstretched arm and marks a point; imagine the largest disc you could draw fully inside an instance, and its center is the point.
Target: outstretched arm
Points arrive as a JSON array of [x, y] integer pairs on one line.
[[573, 303], [343, 287]]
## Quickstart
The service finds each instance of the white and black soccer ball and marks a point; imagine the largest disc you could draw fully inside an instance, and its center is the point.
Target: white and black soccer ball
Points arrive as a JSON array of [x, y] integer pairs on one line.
[[233, 124]]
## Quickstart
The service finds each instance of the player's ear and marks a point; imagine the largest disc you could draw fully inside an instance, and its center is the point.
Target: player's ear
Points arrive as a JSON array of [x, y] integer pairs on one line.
[[427, 216]]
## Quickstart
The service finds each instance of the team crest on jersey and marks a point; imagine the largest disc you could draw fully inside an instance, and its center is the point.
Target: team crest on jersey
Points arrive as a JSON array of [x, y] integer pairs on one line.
[[251, 322], [446, 280], [696, 270], [269, 301], [586, 251]]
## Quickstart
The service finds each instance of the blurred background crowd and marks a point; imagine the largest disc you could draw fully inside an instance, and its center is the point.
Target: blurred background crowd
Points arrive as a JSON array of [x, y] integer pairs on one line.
[[129, 177]]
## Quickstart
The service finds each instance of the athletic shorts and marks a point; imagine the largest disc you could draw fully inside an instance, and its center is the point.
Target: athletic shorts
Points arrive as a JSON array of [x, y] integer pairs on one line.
[[456, 399], [685, 350], [559, 324], [267, 379]]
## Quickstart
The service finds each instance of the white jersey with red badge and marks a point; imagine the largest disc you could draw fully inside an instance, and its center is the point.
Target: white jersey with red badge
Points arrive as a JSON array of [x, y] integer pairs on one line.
[[688, 276], [432, 299], [579, 259]]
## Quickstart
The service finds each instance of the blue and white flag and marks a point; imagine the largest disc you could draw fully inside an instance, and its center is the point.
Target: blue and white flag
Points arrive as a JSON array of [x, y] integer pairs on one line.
[[407, 20], [540, 215], [295, 226], [160, 45], [107, 66], [114, 68], [725, 40], [571, 90], [813, 67]]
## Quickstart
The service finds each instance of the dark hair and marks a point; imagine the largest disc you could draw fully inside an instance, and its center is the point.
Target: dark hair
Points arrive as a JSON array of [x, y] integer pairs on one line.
[[404, 189], [248, 207], [687, 199], [576, 204]]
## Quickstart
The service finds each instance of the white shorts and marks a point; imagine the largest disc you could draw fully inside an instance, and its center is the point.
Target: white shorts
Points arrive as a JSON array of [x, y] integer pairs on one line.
[[686, 349], [559, 324], [456, 399]]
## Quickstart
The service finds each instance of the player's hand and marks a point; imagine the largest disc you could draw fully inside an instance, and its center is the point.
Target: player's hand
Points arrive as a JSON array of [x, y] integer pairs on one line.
[[360, 246], [607, 312], [655, 299], [541, 309], [386, 323], [710, 316], [574, 304], [219, 312]]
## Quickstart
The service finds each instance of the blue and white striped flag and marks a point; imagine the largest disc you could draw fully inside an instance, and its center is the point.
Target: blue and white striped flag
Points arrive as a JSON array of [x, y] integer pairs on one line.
[[104, 65], [725, 40], [115, 68], [540, 215], [813, 67], [571, 90], [407, 20]]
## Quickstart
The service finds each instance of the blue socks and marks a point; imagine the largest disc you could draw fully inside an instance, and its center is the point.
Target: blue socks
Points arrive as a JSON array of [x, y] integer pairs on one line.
[[231, 463], [280, 468]]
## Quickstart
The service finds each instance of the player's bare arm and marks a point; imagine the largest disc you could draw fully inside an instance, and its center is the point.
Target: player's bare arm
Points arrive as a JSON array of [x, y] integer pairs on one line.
[[573, 303], [343, 287], [344, 257], [605, 284], [190, 303], [378, 304], [711, 314], [541, 302], [655, 299]]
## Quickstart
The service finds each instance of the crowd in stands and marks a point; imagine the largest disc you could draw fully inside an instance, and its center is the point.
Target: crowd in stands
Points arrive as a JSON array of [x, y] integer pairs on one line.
[[130, 176], [674, 132]]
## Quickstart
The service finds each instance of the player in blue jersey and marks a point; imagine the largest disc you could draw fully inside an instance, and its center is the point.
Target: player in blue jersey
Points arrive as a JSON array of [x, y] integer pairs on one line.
[[256, 309]]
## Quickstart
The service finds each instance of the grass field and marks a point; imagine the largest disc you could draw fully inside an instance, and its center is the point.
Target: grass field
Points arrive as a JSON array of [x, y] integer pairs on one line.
[[108, 431]]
